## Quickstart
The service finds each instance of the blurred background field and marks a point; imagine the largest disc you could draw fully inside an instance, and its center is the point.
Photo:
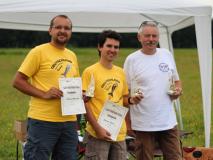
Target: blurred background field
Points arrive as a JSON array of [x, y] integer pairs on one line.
[[14, 105]]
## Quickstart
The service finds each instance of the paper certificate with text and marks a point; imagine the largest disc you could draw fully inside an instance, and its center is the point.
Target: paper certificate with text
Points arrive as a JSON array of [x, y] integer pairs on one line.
[[111, 118], [71, 102]]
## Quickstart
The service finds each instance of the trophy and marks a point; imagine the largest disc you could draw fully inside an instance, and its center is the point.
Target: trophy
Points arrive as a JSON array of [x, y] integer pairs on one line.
[[91, 87], [171, 90], [67, 69], [135, 88]]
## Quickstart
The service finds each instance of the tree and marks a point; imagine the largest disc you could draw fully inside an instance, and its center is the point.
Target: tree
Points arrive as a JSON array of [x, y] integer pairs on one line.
[[184, 38]]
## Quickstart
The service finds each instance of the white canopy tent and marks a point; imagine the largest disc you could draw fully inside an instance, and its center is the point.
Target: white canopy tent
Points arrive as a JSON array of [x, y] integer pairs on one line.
[[123, 16]]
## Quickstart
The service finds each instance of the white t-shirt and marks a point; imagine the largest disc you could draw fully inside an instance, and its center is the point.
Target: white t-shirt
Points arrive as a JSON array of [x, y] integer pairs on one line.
[[155, 112]]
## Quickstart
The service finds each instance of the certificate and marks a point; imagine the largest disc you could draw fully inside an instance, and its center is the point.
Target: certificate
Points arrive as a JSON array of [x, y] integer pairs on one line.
[[71, 102], [111, 118]]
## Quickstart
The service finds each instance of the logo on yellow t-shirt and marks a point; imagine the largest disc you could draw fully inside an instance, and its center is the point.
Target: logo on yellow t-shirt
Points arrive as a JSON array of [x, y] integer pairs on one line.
[[110, 86], [57, 65]]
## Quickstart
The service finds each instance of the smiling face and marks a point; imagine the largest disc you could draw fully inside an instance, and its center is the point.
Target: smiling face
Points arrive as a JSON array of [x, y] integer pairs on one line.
[[60, 31], [149, 38], [109, 50]]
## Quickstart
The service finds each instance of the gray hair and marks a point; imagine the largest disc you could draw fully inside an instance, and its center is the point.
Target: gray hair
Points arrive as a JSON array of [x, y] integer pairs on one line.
[[147, 23]]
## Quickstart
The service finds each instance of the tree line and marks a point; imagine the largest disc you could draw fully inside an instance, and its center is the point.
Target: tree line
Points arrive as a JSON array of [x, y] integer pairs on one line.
[[184, 38]]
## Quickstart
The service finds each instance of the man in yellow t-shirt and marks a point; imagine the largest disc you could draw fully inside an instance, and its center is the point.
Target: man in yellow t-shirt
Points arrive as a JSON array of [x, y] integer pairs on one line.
[[109, 83], [49, 133]]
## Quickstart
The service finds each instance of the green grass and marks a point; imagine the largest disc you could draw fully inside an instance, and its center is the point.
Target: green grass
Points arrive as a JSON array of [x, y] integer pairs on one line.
[[14, 105]]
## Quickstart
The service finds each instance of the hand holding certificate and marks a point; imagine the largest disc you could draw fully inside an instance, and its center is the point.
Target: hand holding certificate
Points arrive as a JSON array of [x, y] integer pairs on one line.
[[71, 102], [111, 118]]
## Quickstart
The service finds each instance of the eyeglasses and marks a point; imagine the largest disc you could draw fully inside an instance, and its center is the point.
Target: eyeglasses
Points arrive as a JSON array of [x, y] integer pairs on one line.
[[66, 28], [149, 23]]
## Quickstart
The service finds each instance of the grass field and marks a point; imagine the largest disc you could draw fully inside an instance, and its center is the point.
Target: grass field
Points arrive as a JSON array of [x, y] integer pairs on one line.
[[14, 105]]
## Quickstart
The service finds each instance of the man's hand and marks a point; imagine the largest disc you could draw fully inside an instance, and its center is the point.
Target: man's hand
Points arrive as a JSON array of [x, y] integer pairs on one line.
[[136, 98], [103, 134], [53, 93], [131, 133], [177, 93]]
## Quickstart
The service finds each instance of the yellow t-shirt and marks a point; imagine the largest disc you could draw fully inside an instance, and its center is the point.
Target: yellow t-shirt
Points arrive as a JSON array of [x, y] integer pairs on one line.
[[110, 84], [44, 65]]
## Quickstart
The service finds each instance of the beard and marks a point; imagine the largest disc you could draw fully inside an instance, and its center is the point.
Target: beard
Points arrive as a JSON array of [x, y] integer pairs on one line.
[[60, 41]]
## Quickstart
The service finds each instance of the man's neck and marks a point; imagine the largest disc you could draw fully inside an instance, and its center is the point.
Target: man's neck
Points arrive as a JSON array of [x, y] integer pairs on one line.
[[148, 51], [106, 64], [57, 45]]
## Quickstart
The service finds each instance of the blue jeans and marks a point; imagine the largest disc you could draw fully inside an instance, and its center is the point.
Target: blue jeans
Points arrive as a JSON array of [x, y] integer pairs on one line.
[[58, 139]]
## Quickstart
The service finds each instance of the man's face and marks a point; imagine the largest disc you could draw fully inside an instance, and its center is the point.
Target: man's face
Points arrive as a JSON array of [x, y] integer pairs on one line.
[[109, 50], [149, 37], [61, 31]]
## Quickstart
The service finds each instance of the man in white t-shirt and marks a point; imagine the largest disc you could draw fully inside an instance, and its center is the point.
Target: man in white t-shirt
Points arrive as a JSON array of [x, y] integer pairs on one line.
[[152, 71]]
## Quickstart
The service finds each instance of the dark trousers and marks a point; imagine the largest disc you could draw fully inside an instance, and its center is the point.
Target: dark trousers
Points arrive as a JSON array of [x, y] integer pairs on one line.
[[58, 139], [168, 141]]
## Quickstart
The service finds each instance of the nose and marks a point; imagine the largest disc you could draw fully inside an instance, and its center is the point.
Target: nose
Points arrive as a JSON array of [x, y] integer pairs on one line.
[[63, 29], [113, 48], [151, 37]]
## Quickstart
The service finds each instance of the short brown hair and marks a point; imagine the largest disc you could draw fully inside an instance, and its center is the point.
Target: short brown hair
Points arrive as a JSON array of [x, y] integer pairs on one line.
[[61, 15]]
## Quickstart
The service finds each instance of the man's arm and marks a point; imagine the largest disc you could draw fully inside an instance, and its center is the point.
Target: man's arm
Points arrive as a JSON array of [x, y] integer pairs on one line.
[[130, 132], [22, 84]]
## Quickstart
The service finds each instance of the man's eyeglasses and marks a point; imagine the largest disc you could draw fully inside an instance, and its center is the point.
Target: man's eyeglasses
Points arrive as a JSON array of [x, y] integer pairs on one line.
[[149, 23], [66, 28]]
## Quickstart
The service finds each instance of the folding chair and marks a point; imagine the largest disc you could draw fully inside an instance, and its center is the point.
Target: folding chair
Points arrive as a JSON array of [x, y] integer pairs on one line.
[[20, 129]]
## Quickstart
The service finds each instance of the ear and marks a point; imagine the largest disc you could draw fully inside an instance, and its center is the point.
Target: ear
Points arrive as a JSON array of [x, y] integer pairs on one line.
[[98, 47], [139, 37], [50, 30]]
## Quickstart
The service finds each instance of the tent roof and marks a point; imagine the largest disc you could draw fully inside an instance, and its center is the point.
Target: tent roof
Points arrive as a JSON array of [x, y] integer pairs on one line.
[[89, 16]]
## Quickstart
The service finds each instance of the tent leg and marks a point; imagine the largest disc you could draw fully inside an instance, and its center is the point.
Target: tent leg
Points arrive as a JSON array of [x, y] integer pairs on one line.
[[17, 144]]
